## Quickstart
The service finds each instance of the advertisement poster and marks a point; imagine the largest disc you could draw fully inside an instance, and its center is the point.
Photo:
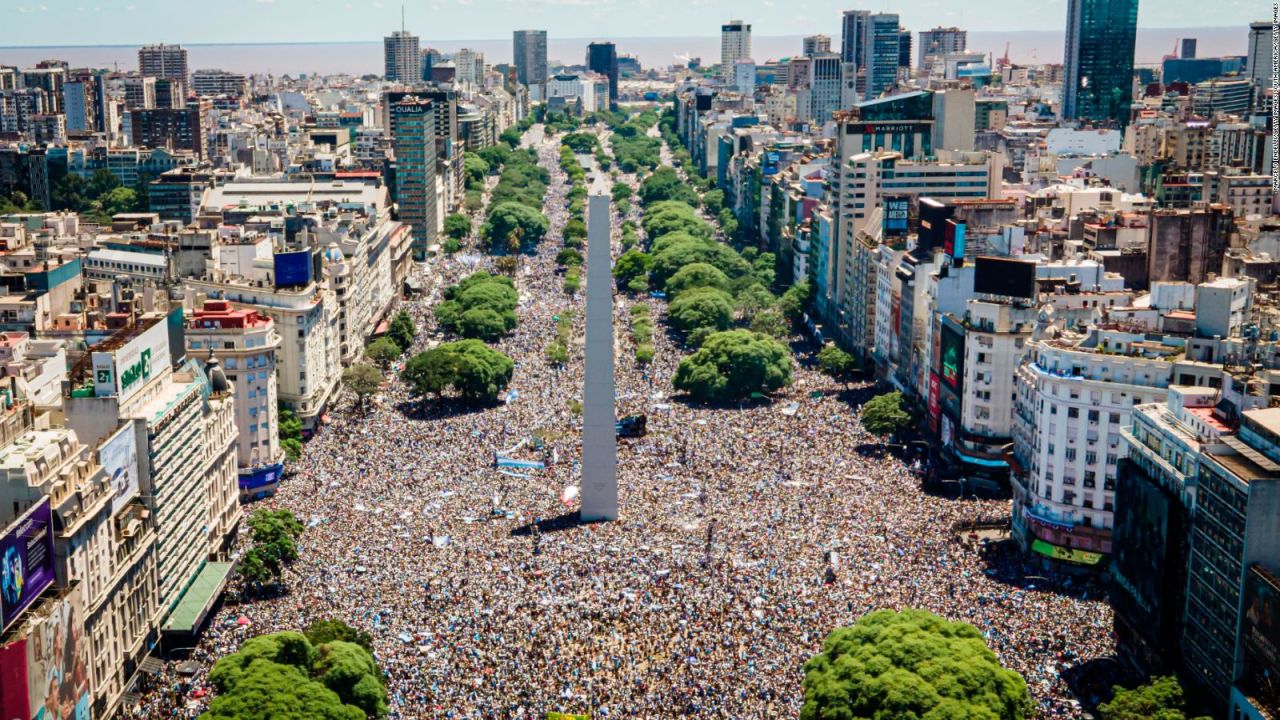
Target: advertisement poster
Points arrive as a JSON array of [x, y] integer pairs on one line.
[[1260, 636], [13, 680], [119, 457], [57, 669], [952, 360], [26, 561]]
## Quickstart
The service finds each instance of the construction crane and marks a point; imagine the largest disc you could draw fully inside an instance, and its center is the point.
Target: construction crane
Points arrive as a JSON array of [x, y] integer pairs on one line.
[[1004, 61], [1174, 55]]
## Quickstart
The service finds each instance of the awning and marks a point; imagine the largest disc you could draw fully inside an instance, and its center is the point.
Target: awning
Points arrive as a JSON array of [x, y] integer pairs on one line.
[[980, 461], [151, 666], [1057, 552], [199, 598]]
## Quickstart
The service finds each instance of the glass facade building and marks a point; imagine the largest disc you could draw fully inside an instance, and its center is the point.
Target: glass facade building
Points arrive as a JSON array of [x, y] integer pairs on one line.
[[1098, 62]]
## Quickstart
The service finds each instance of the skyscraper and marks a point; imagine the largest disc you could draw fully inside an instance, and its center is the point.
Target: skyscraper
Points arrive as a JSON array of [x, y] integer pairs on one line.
[[470, 66], [164, 61], [1259, 59], [529, 48], [817, 44], [1098, 64], [939, 42], [904, 51], [880, 42], [402, 62], [602, 57], [735, 45], [851, 36], [413, 131]]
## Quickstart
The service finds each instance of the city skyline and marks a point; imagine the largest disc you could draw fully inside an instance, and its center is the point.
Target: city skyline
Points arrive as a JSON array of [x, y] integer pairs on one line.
[[282, 22]]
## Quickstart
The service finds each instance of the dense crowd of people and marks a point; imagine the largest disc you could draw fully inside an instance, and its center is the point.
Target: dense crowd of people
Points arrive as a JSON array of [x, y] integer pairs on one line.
[[745, 536]]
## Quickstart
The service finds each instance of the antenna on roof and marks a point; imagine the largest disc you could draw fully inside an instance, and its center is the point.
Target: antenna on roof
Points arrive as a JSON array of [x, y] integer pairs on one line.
[[402, 30]]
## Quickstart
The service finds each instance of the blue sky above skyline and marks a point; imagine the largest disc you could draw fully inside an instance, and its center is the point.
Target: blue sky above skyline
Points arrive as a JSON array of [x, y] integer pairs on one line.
[[89, 22]]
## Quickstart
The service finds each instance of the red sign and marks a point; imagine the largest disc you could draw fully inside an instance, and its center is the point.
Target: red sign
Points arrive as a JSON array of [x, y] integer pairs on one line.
[[935, 404]]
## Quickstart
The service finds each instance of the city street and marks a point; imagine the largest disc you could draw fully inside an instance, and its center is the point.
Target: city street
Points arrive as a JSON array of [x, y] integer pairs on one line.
[[745, 536]]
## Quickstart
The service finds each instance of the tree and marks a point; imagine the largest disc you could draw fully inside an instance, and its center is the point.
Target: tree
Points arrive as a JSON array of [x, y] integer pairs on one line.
[[575, 228], [320, 632], [290, 430], [631, 264], [733, 364], [794, 301], [620, 191], [473, 202], [671, 258], [480, 306], [1160, 699], [557, 353], [363, 380], [510, 216], [382, 351], [910, 664], [283, 676], [664, 184], [402, 331], [273, 535], [668, 217], [752, 300], [511, 137], [472, 369], [713, 201], [696, 275], [703, 307], [837, 363], [883, 414], [457, 226]]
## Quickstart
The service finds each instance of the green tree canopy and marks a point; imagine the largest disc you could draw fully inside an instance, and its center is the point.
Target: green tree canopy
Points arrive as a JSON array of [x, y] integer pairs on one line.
[[733, 364], [620, 191], [511, 137], [514, 218], [702, 307], [883, 414], [480, 306], [402, 331], [320, 632], [475, 168], [472, 369], [665, 184], [696, 275], [910, 664], [665, 218], [363, 380], [457, 226], [630, 265], [713, 201], [580, 142], [676, 255], [1160, 699], [290, 430], [837, 363], [382, 351]]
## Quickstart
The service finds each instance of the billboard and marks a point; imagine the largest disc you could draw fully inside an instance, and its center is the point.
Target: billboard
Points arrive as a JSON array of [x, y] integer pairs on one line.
[[261, 477], [293, 268], [14, 702], [935, 402], [1004, 277], [897, 214], [125, 370], [119, 457], [1260, 637], [57, 668], [954, 239], [26, 561], [1140, 545], [951, 361]]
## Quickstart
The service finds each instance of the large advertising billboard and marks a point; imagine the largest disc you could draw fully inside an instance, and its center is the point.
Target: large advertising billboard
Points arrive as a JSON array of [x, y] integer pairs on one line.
[[57, 671], [951, 360], [293, 268], [1004, 277], [119, 457], [14, 702], [26, 561], [897, 215], [1140, 543], [1260, 637], [124, 371]]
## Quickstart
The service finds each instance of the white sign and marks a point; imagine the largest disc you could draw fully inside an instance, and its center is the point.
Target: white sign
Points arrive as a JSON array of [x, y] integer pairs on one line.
[[119, 457], [124, 371]]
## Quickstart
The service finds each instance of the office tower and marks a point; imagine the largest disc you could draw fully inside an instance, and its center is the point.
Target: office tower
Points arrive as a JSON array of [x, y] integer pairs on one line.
[[170, 93], [50, 80], [413, 131], [430, 57], [744, 76], [1259, 58], [851, 37], [904, 50], [164, 61], [817, 45], [529, 49], [602, 57], [168, 128], [78, 104], [939, 42], [880, 42], [401, 62], [735, 45], [139, 92], [470, 66], [1099, 60], [219, 82], [827, 76], [1188, 49]]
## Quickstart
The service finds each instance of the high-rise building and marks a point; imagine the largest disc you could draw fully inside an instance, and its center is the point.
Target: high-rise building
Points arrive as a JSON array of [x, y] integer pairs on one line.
[[827, 92], [1259, 58], [1188, 51], [851, 49], [401, 61], [470, 66], [529, 49], [1099, 60], [168, 128], [170, 93], [79, 104], [164, 61], [735, 45], [880, 42], [816, 45], [904, 51], [939, 42], [219, 82], [139, 92], [602, 57], [413, 130]]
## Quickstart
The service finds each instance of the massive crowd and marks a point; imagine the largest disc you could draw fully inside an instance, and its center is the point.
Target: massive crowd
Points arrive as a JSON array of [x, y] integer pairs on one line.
[[745, 536]]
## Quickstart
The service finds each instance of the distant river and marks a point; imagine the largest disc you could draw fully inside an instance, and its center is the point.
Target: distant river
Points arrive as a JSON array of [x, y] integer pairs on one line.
[[359, 58]]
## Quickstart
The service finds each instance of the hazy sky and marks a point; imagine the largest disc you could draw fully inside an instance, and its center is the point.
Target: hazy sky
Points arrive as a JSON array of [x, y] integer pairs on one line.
[[81, 22]]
